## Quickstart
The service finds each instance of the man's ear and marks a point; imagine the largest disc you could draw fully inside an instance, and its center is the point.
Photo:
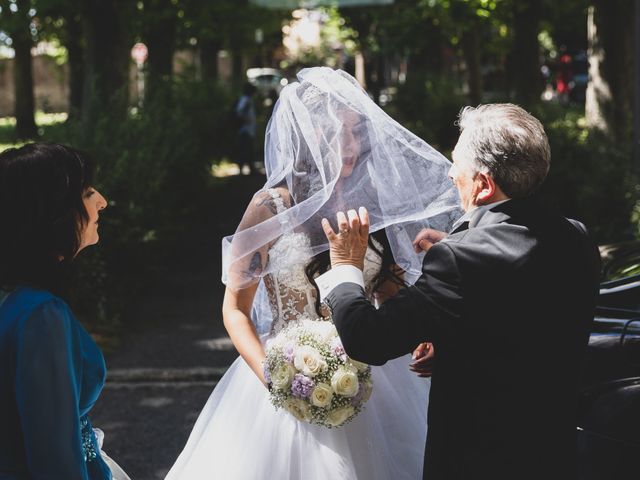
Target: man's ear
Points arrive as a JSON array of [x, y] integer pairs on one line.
[[486, 188]]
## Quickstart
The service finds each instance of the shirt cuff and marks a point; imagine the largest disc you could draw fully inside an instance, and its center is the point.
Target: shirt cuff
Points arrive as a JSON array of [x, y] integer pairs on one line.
[[337, 275]]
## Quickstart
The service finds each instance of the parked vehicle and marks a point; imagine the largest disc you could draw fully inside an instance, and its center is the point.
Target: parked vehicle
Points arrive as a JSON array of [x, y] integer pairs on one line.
[[268, 81], [620, 286], [609, 403]]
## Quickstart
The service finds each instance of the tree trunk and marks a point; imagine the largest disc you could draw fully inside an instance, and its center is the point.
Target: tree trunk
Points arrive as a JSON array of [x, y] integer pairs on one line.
[[610, 89], [429, 61], [106, 61], [209, 60], [23, 84], [238, 76], [526, 52], [472, 58], [161, 40], [75, 51], [381, 75], [370, 79]]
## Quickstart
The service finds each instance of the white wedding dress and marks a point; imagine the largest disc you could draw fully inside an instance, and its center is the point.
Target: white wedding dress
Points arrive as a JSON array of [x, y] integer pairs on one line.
[[239, 435]]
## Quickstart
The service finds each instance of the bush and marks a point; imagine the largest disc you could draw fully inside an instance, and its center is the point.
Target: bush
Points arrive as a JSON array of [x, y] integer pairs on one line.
[[428, 105], [154, 168], [591, 178]]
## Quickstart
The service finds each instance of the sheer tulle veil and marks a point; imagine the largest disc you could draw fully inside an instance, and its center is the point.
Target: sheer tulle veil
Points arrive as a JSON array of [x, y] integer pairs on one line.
[[330, 147]]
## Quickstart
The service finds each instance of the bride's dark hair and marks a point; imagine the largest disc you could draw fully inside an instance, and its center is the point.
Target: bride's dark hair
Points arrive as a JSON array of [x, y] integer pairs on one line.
[[321, 263]]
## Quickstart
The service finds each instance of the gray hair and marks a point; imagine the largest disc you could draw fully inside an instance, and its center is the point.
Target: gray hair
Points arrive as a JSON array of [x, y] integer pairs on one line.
[[506, 142]]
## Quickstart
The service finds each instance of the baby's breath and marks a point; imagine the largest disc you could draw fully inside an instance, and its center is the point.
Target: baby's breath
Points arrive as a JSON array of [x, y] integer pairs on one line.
[[322, 337]]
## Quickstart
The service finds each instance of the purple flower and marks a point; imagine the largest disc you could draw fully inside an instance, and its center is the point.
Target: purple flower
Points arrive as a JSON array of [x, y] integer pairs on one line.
[[267, 374], [338, 349], [302, 386], [288, 353]]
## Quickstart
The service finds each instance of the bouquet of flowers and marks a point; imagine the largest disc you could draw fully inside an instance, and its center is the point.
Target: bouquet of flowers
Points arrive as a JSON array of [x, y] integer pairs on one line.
[[311, 376]]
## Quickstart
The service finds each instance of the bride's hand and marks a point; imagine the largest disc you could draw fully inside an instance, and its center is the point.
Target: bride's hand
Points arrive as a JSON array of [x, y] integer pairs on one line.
[[349, 245], [426, 238], [423, 359], [263, 376]]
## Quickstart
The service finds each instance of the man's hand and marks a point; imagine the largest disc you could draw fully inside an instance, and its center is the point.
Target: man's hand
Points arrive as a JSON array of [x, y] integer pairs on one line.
[[423, 360], [349, 245], [426, 238]]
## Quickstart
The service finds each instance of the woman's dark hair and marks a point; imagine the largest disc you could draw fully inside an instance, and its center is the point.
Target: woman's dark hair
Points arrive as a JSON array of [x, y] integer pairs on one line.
[[42, 214], [321, 263]]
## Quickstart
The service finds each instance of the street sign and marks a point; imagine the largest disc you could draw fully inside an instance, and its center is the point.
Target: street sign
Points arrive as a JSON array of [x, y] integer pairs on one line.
[[139, 53], [292, 4]]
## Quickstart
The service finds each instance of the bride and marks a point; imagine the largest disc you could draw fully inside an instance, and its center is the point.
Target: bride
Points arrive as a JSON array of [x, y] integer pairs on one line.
[[328, 147]]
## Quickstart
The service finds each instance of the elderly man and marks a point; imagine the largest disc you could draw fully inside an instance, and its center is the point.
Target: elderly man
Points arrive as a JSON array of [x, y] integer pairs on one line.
[[506, 298]]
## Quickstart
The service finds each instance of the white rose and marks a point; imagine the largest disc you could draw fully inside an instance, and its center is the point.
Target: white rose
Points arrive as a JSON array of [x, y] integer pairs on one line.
[[298, 408], [321, 395], [282, 377], [309, 361], [345, 382], [337, 417], [361, 367]]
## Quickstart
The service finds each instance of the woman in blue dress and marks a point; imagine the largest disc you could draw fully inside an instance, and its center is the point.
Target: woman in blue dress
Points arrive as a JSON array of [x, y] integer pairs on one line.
[[51, 371]]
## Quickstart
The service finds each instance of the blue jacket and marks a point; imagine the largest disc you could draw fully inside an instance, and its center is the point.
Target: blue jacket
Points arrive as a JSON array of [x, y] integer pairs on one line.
[[51, 374]]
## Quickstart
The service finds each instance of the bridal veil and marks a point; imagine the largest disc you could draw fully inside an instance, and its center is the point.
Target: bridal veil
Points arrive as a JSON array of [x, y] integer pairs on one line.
[[332, 148]]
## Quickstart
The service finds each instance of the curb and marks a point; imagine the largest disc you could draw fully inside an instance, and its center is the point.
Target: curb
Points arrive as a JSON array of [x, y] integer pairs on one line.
[[165, 375]]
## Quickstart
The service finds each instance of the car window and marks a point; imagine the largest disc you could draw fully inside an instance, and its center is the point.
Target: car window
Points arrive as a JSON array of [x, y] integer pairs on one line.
[[626, 266]]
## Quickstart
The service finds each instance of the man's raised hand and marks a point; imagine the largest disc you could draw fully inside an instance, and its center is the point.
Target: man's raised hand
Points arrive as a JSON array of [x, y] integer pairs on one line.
[[349, 245]]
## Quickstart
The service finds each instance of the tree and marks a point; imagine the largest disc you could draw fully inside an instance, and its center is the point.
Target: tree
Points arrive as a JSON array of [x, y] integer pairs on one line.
[[74, 43], [525, 55], [432, 35], [208, 22], [408, 29], [231, 25], [106, 60], [17, 21], [159, 32], [471, 23], [61, 20], [610, 88]]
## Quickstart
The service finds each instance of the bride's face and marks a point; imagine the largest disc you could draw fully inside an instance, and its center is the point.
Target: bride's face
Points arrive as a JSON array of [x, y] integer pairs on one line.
[[351, 138]]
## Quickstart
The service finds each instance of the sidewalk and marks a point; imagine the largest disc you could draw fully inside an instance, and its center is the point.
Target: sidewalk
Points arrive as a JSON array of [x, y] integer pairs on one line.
[[175, 350]]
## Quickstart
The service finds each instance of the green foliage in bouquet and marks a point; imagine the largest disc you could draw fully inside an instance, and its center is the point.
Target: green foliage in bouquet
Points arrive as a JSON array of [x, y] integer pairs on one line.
[[312, 378]]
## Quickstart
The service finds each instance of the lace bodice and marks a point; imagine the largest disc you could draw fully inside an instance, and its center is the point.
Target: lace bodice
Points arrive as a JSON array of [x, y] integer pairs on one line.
[[291, 295]]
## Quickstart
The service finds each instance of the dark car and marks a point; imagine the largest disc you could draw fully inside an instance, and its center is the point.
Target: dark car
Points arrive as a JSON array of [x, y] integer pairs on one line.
[[620, 287], [609, 403]]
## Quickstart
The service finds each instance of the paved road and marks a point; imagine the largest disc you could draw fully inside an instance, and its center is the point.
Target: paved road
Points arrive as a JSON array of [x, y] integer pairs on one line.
[[146, 426], [174, 348]]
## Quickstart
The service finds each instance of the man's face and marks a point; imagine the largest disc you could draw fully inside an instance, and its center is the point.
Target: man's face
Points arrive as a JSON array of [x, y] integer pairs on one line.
[[464, 177]]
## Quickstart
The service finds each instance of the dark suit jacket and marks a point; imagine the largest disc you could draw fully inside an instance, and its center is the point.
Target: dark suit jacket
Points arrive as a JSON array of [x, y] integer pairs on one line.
[[507, 302]]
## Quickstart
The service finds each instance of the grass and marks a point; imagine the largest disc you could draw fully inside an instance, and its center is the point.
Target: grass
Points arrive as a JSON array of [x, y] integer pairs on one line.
[[46, 122]]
